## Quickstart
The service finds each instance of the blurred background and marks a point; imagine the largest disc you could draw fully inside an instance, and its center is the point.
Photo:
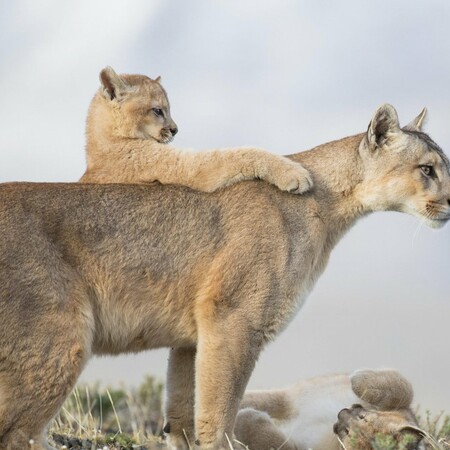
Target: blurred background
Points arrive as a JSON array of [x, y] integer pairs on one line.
[[285, 75]]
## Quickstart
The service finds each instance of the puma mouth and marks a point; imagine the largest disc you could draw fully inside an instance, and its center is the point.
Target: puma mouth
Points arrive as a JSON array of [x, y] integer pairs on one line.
[[437, 222]]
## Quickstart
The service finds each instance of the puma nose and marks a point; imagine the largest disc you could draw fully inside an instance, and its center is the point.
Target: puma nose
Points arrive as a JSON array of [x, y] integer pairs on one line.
[[174, 131]]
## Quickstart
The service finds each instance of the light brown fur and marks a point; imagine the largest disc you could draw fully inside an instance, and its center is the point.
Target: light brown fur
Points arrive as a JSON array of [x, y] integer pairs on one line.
[[301, 417], [106, 269], [128, 130]]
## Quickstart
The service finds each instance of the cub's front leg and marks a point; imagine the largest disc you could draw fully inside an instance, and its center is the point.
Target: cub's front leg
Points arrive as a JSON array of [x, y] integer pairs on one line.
[[214, 170]]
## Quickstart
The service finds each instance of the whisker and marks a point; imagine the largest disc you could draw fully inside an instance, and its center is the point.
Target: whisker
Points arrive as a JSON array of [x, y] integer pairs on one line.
[[416, 232], [425, 214], [341, 443]]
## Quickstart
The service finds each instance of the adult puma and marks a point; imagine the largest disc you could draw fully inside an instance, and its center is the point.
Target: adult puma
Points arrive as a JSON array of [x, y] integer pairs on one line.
[[302, 416], [128, 130], [104, 269]]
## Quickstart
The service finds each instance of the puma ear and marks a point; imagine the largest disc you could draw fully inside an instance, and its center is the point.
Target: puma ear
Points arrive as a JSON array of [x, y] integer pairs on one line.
[[113, 86], [417, 123], [384, 122], [158, 79]]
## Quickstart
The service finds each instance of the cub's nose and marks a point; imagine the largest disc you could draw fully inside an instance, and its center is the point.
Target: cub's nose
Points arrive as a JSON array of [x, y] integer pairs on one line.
[[174, 131]]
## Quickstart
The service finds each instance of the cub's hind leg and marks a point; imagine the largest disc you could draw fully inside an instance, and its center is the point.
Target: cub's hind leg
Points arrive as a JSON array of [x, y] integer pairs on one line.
[[276, 403], [383, 389], [256, 430], [37, 372], [180, 397]]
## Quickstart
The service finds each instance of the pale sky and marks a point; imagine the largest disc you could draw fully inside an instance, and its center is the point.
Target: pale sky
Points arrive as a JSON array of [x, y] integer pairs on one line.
[[284, 75]]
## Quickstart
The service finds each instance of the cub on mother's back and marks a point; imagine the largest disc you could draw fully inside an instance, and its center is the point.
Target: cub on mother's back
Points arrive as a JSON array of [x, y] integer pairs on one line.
[[128, 130]]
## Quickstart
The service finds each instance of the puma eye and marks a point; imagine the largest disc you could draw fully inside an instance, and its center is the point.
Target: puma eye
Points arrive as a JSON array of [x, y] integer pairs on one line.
[[428, 171], [157, 112]]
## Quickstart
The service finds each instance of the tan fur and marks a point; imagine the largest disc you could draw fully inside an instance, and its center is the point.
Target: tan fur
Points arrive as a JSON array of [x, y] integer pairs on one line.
[[301, 417], [128, 130], [386, 389], [106, 269], [5, 396]]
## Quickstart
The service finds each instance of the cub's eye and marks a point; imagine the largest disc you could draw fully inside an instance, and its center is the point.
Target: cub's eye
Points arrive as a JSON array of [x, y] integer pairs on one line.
[[157, 112], [427, 171]]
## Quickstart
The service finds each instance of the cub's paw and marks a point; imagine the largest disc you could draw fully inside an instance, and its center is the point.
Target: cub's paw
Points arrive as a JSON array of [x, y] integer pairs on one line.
[[294, 179]]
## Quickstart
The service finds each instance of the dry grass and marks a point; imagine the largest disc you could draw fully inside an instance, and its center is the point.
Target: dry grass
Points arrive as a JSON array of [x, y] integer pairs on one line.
[[93, 418], [437, 427]]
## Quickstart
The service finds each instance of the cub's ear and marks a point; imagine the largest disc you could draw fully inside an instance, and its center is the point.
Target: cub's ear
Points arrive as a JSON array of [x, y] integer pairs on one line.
[[417, 123], [384, 122], [346, 417], [158, 79], [113, 86], [415, 435], [342, 426]]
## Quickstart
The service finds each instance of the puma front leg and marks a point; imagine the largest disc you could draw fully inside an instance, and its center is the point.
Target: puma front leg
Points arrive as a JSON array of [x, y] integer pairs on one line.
[[226, 354]]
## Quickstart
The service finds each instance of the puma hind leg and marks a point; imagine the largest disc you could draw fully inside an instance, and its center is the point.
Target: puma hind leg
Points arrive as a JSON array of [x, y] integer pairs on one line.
[[180, 398], [36, 375], [33, 400]]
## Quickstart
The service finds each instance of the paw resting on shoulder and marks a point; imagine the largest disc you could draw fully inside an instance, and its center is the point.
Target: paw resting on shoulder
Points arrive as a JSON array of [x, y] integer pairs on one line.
[[294, 179]]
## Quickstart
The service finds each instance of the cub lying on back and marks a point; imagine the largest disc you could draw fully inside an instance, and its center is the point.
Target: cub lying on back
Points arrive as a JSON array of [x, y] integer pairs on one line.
[[128, 129], [302, 416]]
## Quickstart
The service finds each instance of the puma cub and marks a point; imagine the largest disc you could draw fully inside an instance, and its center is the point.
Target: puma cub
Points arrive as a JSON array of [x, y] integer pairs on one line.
[[128, 130], [301, 417]]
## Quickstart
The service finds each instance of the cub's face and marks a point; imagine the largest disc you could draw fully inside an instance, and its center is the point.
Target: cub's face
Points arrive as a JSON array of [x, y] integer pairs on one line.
[[138, 105], [361, 429], [405, 170]]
